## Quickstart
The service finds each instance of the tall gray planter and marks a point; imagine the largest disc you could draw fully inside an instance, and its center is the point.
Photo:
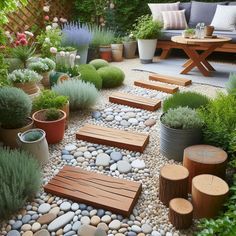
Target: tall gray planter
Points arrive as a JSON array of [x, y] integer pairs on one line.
[[174, 141], [130, 49]]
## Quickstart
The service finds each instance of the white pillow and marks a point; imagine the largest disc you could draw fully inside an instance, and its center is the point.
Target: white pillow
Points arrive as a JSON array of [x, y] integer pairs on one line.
[[157, 8], [224, 18]]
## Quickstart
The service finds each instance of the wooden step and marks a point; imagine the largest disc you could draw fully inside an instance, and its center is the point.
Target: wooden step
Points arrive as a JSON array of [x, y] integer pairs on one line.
[[170, 79], [98, 190], [149, 104], [156, 86], [113, 137]]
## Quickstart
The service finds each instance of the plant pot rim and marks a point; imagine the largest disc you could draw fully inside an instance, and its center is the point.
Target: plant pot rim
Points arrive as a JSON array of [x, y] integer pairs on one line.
[[148, 39], [105, 46], [48, 122], [28, 82], [33, 130], [31, 121], [133, 41]]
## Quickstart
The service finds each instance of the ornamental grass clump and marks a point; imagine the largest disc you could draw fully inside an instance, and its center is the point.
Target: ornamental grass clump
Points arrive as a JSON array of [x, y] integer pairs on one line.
[[24, 76], [42, 65], [82, 95], [20, 179], [182, 118], [192, 100]]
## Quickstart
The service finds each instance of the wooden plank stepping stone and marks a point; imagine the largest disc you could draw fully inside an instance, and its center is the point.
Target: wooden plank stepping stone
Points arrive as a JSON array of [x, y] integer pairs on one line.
[[204, 159], [149, 104], [156, 86], [180, 213], [209, 193], [173, 183], [170, 79], [113, 137], [98, 190]]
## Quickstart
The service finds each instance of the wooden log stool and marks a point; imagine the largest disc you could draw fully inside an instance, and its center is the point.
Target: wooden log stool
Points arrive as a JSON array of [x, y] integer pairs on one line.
[[173, 183], [180, 213], [209, 193], [204, 159]]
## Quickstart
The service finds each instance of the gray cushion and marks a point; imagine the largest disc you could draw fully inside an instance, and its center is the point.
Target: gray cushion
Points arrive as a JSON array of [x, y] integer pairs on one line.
[[203, 12], [187, 7], [232, 3]]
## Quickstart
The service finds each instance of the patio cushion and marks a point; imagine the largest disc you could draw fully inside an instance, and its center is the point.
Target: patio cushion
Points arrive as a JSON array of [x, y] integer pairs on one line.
[[232, 3], [203, 12], [187, 7]]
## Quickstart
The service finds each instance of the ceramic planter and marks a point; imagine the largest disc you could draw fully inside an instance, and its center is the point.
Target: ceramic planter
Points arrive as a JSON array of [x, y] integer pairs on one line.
[[30, 87], [38, 148], [146, 48], [83, 53], [57, 77], [9, 136], [117, 52], [105, 53], [54, 129], [130, 49]]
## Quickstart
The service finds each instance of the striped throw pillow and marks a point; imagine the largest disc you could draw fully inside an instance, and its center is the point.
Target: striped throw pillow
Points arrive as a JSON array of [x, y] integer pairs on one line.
[[175, 20]]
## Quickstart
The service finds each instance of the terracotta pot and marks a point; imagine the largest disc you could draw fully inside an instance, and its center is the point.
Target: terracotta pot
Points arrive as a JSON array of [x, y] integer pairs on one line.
[[46, 81], [54, 129], [117, 52], [208, 30], [29, 87], [9, 136], [130, 49], [105, 53]]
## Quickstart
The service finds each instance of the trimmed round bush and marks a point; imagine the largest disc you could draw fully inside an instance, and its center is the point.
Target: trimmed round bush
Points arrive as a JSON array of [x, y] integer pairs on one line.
[[20, 179], [98, 63], [89, 74], [192, 100], [111, 76], [81, 95]]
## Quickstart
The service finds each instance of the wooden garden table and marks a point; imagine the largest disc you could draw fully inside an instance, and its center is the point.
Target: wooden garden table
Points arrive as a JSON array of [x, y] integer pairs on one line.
[[197, 59]]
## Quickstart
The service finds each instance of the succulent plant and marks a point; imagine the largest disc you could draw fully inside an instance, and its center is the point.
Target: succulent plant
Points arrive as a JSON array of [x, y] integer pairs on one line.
[[42, 65], [24, 76]]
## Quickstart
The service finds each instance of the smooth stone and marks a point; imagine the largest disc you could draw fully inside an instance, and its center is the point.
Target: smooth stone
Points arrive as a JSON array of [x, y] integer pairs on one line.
[[67, 228], [61, 221], [146, 228], [103, 226], [47, 218], [42, 232], [85, 220], [133, 121], [28, 233], [95, 220], [155, 233], [26, 227], [65, 152], [26, 219], [139, 164], [106, 219], [113, 167], [82, 206], [70, 233], [17, 225], [100, 232], [123, 166], [75, 206], [55, 210], [13, 233], [87, 230], [102, 160], [67, 157], [131, 234], [115, 224], [36, 226], [100, 212], [70, 147], [87, 154], [118, 118], [109, 118], [96, 114], [136, 228], [76, 225], [44, 208], [150, 122], [116, 156], [125, 123], [65, 206]]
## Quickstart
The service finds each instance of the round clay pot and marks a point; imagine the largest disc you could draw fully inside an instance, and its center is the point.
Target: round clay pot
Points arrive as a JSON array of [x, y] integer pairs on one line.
[[105, 53], [117, 52], [208, 30], [130, 49], [54, 129], [29, 87]]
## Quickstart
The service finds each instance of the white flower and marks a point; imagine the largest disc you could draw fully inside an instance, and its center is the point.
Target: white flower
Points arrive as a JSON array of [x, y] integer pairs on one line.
[[112, 5], [77, 57], [62, 53], [46, 8], [54, 25], [47, 40], [55, 19], [63, 20], [53, 50], [7, 33], [131, 36], [67, 53], [29, 33], [48, 28], [72, 56]]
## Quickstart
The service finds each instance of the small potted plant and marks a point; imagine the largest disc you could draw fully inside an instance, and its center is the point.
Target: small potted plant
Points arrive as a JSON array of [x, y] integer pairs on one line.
[[147, 32], [53, 122], [26, 80], [117, 49], [180, 127], [189, 33], [130, 46], [15, 109], [44, 66]]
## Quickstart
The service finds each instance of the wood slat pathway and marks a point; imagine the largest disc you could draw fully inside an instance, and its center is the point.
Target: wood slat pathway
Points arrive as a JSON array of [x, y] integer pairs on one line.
[[113, 137], [149, 104], [100, 191]]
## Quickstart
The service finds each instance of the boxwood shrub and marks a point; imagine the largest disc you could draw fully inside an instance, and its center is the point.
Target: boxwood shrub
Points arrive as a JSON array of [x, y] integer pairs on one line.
[[98, 63]]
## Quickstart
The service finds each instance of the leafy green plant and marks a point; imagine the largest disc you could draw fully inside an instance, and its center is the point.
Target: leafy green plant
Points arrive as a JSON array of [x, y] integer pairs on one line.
[[82, 95], [15, 107], [98, 63], [52, 114], [42, 65], [192, 100], [182, 118], [3, 71], [146, 28], [190, 31], [117, 40], [111, 76], [32, 136], [20, 180], [24, 76], [66, 49], [231, 84], [49, 99]]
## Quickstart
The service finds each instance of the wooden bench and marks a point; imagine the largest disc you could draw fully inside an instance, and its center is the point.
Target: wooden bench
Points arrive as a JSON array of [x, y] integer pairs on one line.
[[100, 191], [149, 104]]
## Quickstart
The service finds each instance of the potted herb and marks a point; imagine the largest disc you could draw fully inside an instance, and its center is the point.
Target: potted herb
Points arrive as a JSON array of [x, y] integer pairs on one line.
[[117, 49], [15, 109], [147, 32], [34, 141], [26, 80], [180, 127], [130, 46], [52, 121], [43, 66], [189, 33]]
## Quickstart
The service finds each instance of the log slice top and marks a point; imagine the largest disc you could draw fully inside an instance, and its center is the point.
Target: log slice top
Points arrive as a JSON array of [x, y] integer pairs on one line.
[[174, 172], [205, 154], [210, 185], [181, 206]]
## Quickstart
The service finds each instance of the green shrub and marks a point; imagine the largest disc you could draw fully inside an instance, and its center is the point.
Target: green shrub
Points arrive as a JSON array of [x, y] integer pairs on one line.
[[231, 84], [111, 76], [89, 74], [49, 99], [52, 114], [219, 117], [82, 95], [15, 107], [42, 65], [20, 180], [192, 100], [99, 63], [182, 118]]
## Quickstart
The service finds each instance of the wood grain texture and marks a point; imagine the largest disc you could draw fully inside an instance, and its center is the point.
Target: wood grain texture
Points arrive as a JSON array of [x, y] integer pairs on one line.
[[97, 190], [156, 86], [170, 79], [149, 104], [113, 137]]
